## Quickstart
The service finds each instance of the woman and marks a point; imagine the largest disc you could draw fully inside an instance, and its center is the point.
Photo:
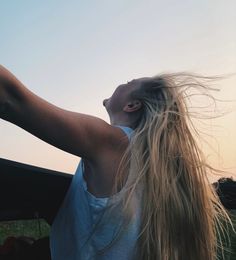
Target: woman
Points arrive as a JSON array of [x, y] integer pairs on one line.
[[140, 190]]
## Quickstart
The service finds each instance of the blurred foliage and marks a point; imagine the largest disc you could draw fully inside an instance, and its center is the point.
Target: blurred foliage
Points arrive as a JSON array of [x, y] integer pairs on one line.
[[230, 249], [36, 228], [39, 228]]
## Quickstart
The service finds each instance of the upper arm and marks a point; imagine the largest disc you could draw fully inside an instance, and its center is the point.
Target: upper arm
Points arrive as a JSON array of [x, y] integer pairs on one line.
[[79, 134]]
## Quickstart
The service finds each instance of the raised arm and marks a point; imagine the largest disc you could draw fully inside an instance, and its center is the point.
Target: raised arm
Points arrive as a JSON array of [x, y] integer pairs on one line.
[[79, 134]]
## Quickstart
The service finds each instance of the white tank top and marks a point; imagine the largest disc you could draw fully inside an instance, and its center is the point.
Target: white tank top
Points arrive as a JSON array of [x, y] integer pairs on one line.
[[77, 234]]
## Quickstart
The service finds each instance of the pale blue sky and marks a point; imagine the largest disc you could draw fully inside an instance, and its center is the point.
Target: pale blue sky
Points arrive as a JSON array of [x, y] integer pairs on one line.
[[74, 53]]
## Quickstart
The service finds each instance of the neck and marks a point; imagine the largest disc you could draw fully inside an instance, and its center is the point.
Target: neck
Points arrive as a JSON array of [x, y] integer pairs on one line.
[[126, 120]]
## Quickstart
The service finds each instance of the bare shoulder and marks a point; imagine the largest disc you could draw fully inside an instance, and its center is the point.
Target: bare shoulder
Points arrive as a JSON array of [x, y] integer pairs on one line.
[[100, 173], [115, 143], [117, 139]]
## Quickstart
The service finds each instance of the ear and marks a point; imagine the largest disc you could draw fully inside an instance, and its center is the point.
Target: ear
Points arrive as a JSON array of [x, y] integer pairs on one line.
[[132, 106]]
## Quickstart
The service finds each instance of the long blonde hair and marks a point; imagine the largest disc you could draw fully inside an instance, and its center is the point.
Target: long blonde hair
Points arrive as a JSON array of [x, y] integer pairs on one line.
[[182, 215]]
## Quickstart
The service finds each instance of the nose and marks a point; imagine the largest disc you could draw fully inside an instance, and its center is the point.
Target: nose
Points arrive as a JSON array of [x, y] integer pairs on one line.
[[104, 102]]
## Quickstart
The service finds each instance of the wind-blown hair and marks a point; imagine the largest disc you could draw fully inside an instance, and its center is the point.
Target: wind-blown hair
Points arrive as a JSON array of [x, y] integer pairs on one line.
[[181, 212]]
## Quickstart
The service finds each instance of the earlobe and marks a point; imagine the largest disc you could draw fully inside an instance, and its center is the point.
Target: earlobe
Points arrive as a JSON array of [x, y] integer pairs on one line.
[[132, 106]]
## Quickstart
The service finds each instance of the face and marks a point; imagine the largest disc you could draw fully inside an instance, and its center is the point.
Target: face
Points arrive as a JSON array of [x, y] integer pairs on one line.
[[115, 103], [122, 96]]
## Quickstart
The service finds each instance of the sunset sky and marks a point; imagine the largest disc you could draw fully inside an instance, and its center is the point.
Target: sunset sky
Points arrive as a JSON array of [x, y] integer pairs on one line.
[[74, 53]]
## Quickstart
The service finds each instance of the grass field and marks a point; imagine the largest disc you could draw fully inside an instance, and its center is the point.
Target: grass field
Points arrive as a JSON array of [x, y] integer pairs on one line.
[[39, 228], [231, 255], [31, 228]]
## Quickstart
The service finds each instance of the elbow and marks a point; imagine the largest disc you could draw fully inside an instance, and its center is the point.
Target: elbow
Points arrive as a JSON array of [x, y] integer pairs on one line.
[[4, 106], [5, 110], [12, 111], [4, 100]]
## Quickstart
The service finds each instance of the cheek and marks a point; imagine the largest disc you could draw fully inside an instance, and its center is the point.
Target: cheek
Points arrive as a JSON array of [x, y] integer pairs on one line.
[[114, 104]]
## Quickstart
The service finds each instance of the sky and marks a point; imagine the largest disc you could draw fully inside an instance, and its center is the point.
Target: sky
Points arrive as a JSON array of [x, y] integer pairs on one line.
[[75, 53]]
